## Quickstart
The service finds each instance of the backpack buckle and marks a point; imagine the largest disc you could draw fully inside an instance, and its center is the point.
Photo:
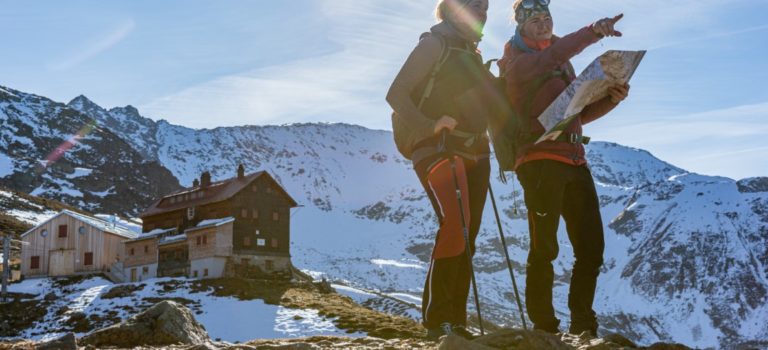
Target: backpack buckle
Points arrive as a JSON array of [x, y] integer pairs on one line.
[[576, 138]]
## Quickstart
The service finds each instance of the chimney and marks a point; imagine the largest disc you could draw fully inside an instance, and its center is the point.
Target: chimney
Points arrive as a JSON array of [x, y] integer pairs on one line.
[[205, 179], [240, 172], [196, 183]]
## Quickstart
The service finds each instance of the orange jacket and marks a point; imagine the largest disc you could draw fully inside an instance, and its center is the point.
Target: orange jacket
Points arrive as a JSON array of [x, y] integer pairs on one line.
[[521, 68]]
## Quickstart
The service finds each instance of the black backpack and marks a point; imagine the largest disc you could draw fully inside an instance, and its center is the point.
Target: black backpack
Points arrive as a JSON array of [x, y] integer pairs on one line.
[[508, 130]]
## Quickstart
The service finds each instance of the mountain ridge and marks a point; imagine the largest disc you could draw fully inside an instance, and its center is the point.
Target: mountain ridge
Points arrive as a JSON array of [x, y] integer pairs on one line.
[[671, 235]]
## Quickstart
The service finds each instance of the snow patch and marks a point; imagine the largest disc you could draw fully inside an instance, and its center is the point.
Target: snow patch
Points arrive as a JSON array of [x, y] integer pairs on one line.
[[6, 165], [80, 172], [382, 262]]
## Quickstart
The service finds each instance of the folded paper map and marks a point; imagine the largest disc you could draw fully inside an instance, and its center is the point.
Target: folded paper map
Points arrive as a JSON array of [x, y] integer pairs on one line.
[[611, 68]]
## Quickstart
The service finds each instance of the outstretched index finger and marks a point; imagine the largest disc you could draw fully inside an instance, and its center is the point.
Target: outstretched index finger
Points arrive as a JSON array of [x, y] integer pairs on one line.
[[617, 18]]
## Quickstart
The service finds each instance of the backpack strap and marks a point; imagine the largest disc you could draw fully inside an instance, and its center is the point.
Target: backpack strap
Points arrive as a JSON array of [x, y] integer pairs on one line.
[[444, 53]]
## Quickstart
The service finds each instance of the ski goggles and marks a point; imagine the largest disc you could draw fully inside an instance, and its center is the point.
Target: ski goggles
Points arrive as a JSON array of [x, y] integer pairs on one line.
[[530, 8], [529, 4]]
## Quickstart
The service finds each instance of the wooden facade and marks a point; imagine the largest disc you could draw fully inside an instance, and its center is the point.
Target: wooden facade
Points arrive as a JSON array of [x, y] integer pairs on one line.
[[262, 220], [173, 258], [71, 243], [209, 242], [141, 251], [242, 218]]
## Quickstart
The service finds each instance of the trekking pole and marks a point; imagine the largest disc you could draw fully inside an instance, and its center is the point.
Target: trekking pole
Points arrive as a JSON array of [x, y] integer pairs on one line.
[[506, 254], [442, 147]]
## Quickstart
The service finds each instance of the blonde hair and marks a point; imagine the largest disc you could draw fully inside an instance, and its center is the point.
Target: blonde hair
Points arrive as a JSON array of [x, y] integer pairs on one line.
[[443, 8], [516, 5]]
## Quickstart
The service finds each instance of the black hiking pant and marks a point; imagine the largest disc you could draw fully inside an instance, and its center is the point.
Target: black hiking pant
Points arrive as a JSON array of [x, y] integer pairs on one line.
[[446, 288], [553, 189]]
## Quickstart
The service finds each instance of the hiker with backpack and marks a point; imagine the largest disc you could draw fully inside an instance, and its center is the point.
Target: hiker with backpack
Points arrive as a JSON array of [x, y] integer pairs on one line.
[[554, 174], [429, 119]]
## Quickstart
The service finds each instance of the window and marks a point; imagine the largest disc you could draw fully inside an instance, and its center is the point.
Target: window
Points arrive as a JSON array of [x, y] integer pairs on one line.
[[261, 242], [81, 230], [145, 270], [146, 249], [254, 188], [198, 240], [269, 189], [62, 231], [274, 242], [205, 272], [88, 259], [205, 239], [35, 262], [194, 273], [173, 200], [132, 252], [247, 241], [258, 232], [244, 213], [255, 213], [275, 216], [44, 233], [269, 265], [191, 213]]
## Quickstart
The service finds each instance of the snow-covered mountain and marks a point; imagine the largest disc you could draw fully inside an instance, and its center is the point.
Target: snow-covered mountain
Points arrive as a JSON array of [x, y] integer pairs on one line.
[[685, 253], [54, 151]]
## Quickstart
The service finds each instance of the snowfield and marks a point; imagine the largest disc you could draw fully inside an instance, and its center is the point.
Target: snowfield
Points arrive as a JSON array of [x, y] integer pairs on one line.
[[227, 318]]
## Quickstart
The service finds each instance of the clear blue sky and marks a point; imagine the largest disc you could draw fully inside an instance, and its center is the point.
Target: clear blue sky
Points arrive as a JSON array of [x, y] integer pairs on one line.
[[699, 100]]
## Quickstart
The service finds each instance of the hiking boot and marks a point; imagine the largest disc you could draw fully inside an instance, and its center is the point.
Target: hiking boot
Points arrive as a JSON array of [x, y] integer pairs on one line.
[[434, 334], [583, 332], [462, 332], [447, 328], [548, 329]]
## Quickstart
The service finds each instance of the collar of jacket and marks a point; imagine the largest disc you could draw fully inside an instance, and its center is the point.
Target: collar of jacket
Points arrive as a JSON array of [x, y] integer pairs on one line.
[[537, 45], [448, 30], [527, 45]]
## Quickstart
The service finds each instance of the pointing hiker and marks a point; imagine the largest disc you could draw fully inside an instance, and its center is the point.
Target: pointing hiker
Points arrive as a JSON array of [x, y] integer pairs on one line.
[[425, 97], [554, 174]]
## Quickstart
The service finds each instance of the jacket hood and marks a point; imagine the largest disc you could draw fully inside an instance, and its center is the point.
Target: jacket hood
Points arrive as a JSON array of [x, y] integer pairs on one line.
[[447, 29]]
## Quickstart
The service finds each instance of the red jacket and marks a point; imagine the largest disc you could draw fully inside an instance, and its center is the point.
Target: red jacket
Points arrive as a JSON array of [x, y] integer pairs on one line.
[[520, 68]]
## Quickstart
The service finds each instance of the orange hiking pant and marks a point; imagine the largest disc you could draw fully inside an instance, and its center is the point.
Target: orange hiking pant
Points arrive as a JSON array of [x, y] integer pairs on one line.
[[447, 285]]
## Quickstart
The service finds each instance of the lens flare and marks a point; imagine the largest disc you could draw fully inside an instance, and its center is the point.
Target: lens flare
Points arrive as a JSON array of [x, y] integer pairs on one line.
[[71, 142], [465, 15]]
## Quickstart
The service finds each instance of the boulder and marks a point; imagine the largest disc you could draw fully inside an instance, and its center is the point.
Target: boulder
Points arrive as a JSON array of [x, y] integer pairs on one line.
[[164, 323], [66, 342]]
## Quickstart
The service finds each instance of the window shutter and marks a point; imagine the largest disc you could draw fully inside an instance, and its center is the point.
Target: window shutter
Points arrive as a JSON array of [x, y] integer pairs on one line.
[[89, 259]]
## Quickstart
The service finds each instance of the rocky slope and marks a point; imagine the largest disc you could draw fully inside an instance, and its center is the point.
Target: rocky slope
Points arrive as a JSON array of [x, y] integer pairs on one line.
[[51, 150], [156, 319]]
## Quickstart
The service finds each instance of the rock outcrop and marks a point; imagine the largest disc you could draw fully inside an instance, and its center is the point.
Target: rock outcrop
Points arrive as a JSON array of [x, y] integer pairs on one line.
[[514, 339], [165, 323]]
